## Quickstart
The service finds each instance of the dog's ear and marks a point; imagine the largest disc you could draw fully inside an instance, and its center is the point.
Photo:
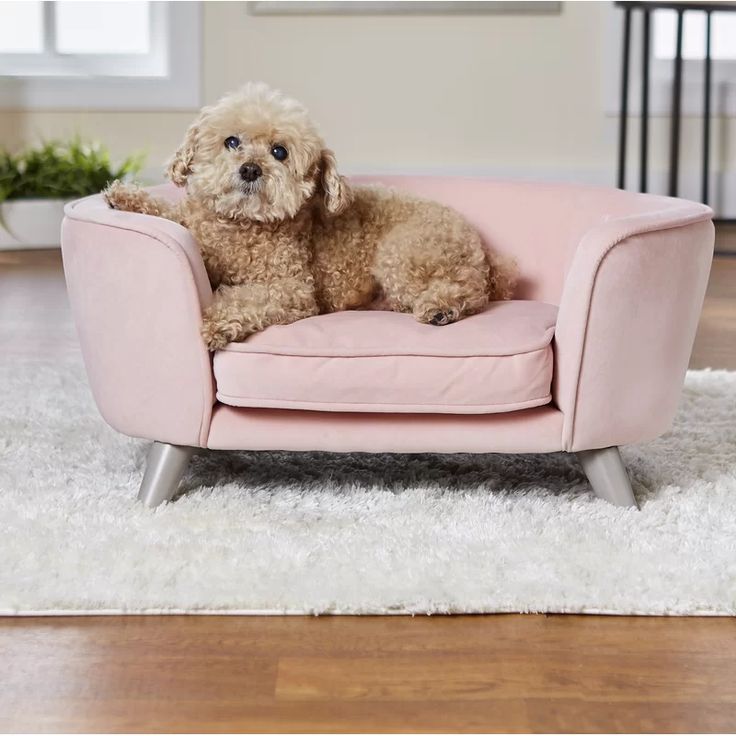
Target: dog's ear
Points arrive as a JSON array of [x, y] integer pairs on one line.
[[180, 165], [337, 192]]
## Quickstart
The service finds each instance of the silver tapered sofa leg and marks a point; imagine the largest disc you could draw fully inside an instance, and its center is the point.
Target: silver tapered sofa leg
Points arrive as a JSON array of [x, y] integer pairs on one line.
[[164, 469], [607, 475]]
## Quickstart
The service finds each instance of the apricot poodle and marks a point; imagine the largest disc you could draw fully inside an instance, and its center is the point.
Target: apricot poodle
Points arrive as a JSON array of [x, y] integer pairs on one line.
[[285, 236]]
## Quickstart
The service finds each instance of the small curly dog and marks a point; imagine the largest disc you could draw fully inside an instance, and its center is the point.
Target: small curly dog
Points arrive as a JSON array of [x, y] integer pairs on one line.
[[284, 236]]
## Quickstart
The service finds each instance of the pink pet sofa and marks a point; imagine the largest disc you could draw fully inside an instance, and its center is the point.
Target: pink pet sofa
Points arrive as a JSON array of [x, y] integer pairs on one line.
[[591, 355]]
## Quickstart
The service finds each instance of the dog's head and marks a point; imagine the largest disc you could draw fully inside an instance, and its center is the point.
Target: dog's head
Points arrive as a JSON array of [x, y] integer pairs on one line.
[[256, 155]]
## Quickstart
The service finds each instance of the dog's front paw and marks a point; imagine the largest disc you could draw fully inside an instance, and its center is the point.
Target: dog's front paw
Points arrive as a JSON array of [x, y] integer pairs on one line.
[[215, 336], [121, 196], [214, 341], [218, 332]]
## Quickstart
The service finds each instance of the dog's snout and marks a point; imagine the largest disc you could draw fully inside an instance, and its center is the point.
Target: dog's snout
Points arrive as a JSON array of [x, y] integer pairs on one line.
[[250, 172]]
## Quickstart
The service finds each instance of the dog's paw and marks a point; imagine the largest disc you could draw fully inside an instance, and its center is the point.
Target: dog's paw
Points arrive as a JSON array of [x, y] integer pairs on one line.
[[216, 336], [438, 317], [215, 342], [118, 195], [219, 332], [443, 318]]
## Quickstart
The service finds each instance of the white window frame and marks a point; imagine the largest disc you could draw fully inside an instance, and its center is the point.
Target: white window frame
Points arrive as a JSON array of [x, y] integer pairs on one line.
[[661, 71], [167, 78]]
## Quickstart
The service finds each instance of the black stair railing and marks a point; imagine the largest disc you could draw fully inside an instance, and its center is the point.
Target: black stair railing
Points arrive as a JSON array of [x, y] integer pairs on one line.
[[647, 9]]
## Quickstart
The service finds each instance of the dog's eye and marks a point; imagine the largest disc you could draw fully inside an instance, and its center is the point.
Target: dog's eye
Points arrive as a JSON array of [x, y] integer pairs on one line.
[[232, 142], [279, 153]]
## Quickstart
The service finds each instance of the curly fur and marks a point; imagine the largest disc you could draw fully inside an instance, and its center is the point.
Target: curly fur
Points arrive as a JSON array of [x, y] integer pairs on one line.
[[300, 240]]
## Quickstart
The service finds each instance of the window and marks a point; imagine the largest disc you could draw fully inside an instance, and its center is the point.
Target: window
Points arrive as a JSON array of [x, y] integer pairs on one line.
[[127, 54], [723, 35], [663, 40]]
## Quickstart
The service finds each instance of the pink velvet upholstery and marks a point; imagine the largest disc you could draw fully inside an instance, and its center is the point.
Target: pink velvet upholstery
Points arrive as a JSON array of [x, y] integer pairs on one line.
[[628, 272], [626, 328], [497, 361], [137, 286], [543, 225], [531, 430]]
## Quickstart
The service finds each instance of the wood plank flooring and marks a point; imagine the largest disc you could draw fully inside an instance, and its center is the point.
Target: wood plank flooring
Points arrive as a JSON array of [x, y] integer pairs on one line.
[[355, 674]]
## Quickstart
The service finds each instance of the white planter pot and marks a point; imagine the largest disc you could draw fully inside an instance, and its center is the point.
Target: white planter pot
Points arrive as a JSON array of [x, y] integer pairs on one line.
[[31, 223]]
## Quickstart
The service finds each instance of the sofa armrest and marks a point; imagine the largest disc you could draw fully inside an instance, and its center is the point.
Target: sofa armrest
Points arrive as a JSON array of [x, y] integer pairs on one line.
[[626, 325], [137, 286]]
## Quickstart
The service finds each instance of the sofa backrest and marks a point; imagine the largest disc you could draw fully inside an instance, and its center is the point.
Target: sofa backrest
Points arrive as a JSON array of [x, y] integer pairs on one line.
[[540, 225]]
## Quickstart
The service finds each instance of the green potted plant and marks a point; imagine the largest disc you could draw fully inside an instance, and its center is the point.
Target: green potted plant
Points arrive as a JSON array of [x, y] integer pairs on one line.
[[35, 184]]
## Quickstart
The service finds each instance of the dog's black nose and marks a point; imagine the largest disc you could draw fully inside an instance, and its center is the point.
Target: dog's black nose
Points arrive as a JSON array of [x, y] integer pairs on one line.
[[250, 172]]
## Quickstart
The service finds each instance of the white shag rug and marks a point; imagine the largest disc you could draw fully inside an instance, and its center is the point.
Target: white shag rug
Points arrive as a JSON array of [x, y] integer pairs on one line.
[[320, 533]]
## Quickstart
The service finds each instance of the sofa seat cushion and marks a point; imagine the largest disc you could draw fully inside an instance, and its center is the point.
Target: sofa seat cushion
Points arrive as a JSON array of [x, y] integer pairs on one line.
[[372, 361]]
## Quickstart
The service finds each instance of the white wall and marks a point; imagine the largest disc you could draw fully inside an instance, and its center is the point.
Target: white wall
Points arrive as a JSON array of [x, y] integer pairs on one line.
[[508, 94]]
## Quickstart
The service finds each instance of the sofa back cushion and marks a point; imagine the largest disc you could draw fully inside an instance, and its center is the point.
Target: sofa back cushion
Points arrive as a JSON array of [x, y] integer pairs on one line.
[[539, 224]]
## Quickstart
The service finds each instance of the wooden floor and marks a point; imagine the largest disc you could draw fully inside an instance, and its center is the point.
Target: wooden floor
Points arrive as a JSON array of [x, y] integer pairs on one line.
[[462, 673]]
